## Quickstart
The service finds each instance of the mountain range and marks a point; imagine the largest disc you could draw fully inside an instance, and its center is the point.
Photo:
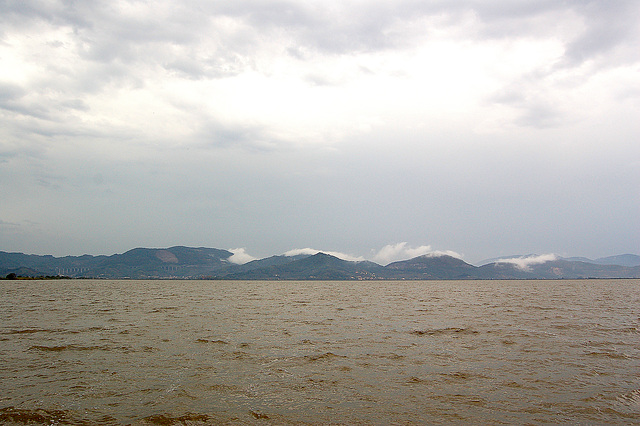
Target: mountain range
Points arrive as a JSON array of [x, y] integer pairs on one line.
[[210, 263]]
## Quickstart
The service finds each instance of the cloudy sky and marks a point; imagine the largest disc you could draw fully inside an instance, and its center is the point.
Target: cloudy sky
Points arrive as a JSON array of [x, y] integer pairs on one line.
[[379, 129]]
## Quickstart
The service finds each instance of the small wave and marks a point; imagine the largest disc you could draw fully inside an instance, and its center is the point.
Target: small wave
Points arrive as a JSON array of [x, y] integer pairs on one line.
[[457, 375], [258, 415], [219, 342], [48, 348], [631, 399], [444, 331], [607, 354], [541, 308], [237, 355], [54, 330], [68, 348], [33, 330], [11, 415], [593, 343], [322, 357], [392, 356], [189, 418], [164, 308], [462, 375], [610, 330], [17, 415], [224, 388]]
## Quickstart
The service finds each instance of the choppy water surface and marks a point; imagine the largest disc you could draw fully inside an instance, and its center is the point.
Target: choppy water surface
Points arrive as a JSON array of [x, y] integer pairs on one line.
[[219, 352]]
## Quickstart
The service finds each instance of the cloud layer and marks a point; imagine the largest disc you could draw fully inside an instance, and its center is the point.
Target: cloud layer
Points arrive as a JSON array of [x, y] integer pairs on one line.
[[311, 252], [525, 262], [240, 256], [402, 251], [485, 127]]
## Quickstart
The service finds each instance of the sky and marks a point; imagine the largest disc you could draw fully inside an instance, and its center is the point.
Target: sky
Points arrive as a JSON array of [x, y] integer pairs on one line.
[[377, 130]]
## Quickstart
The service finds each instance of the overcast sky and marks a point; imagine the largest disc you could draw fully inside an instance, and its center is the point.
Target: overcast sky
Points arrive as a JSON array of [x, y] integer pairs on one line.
[[377, 129]]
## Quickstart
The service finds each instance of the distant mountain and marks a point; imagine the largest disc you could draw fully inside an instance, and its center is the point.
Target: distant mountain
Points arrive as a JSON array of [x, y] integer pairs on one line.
[[320, 266], [503, 271], [567, 269], [431, 268], [557, 269], [260, 264], [162, 263], [196, 263], [501, 258], [578, 259], [629, 260], [183, 262]]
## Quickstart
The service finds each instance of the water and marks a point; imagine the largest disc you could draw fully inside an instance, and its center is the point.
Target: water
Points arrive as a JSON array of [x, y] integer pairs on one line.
[[220, 352]]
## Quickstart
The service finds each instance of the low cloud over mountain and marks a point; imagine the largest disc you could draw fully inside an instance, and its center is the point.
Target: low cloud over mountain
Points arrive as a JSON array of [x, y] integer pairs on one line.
[[525, 262]]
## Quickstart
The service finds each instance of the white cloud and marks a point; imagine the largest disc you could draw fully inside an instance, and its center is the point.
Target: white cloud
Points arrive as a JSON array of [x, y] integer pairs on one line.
[[311, 252], [525, 262], [400, 251], [240, 256], [296, 252], [439, 253]]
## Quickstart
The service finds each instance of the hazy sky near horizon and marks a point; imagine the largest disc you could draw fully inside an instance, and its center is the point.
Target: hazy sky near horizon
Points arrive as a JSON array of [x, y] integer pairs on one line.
[[379, 129]]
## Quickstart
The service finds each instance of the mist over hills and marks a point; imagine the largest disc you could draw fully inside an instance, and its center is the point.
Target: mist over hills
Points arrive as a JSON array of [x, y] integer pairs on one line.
[[629, 260], [209, 263]]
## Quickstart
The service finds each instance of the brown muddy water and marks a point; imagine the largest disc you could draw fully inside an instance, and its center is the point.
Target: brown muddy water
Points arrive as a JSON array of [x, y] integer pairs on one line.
[[255, 352]]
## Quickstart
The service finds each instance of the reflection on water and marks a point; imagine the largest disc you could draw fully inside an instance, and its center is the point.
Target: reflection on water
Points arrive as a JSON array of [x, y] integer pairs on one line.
[[220, 352]]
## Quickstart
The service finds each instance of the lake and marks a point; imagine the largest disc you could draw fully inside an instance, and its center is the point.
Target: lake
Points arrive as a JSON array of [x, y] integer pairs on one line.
[[307, 352]]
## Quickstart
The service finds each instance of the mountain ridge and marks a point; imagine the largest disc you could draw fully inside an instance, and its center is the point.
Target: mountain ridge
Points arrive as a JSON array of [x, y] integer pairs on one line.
[[180, 262]]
